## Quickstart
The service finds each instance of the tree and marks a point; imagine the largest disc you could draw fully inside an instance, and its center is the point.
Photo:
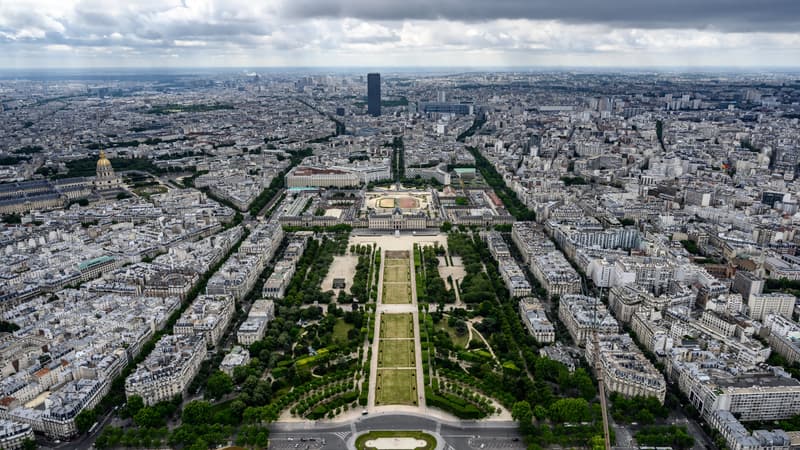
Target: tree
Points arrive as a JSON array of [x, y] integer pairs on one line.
[[645, 417], [85, 419], [11, 219], [236, 408], [540, 412], [522, 413], [28, 444], [461, 328], [240, 373], [219, 384], [197, 412], [199, 444], [8, 327], [135, 404], [148, 417], [262, 393], [570, 410], [583, 382]]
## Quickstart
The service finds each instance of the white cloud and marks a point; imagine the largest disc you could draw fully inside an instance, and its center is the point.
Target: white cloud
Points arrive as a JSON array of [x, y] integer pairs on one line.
[[245, 32]]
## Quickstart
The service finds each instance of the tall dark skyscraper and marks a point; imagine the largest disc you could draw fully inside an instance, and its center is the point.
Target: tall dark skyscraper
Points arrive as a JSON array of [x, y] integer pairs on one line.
[[374, 94]]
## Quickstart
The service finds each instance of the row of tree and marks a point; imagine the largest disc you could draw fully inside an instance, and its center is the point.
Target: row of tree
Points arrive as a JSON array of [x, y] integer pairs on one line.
[[566, 406], [495, 180], [430, 285]]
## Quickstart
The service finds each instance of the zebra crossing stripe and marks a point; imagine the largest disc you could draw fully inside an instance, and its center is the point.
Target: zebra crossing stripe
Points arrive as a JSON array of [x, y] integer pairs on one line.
[[342, 435]]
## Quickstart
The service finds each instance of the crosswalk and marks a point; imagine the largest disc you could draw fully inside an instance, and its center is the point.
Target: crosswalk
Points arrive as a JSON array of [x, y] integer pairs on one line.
[[342, 435]]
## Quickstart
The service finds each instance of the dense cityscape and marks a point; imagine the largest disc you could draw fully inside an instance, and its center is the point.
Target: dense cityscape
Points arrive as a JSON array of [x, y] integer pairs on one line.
[[328, 259]]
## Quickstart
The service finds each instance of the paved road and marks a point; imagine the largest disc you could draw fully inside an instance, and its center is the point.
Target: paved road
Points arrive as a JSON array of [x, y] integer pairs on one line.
[[83, 442], [417, 336], [457, 435], [373, 370]]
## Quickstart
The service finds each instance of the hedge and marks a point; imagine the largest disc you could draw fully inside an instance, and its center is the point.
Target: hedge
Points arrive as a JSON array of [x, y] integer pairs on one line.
[[452, 404]]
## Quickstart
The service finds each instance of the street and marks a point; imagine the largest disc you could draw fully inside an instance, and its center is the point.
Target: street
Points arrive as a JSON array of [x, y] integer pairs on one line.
[[456, 435]]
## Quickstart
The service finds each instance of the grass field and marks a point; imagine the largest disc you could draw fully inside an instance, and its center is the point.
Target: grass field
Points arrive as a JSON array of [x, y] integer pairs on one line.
[[340, 330], [396, 387], [430, 441], [396, 281], [397, 326], [397, 374], [396, 353], [399, 273], [396, 294], [396, 260], [460, 341]]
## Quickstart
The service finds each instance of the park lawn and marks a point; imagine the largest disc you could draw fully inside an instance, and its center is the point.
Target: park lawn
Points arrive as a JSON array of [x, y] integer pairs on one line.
[[396, 353], [397, 262], [340, 330], [460, 341], [147, 191], [396, 294], [430, 441], [397, 273], [397, 325], [396, 387]]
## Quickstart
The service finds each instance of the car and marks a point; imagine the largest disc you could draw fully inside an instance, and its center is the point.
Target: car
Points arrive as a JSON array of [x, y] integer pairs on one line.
[[364, 412]]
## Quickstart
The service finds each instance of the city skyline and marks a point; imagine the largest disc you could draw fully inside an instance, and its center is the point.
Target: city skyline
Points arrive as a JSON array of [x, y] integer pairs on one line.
[[622, 33], [194, 258]]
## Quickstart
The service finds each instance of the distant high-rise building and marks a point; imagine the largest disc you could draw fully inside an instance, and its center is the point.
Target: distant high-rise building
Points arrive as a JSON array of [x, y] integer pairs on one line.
[[374, 94], [441, 96]]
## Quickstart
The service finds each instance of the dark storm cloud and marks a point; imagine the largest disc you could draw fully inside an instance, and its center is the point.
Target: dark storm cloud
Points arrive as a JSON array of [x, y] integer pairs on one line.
[[726, 15]]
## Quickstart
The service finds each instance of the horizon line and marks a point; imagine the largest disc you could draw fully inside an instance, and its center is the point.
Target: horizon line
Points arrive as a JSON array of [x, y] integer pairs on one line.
[[487, 68]]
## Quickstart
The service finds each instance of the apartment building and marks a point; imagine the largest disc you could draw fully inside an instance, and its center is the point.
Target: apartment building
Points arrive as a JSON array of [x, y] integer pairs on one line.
[[208, 315], [305, 176], [783, 337], [582, 315], [625, 369], [275, 286], [13, 434], [535, 320], [168, 369], [555, 274], [514, 278], [760, 305]]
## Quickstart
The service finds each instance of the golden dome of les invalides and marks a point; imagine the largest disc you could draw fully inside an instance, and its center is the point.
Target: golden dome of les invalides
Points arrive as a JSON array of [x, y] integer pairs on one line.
[[103, 161]]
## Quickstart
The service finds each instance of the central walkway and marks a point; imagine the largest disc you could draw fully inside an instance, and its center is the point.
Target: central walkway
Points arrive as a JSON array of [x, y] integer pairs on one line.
[[396, 375]]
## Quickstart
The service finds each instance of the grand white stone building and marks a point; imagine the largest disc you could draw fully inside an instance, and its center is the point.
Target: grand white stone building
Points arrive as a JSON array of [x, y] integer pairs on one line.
[[582, 315], [168, 369], [625, 368], [536, 321]]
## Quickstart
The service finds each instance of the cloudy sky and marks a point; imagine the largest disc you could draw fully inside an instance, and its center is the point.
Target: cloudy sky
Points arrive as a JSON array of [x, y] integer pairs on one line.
[[374, 33]]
